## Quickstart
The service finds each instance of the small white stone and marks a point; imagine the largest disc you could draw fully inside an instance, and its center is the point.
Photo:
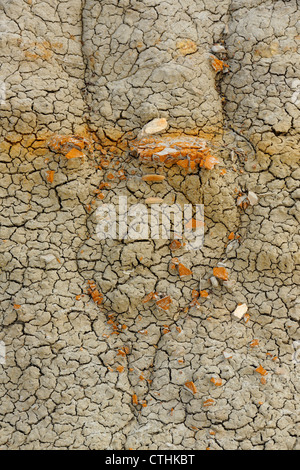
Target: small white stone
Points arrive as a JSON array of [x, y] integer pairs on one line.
[[214, 281], [155, 126], [218, 48], [240, 311], [252, 197], [48, 258], [233, 245], [227, 355]]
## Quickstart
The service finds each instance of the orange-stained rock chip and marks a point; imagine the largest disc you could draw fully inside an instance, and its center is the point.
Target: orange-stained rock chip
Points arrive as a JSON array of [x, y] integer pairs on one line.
[[153, 177], [218, 64], [190, 386], [164, 303], [120, 369], [261, 370], [74, 153], [135, 399], [121, 353], [231, 236], [16, 306], [96, 295], [203, 293], [195, 294], [254, 343], [183, 270], [209, 162], [183, 163], [221, 273]]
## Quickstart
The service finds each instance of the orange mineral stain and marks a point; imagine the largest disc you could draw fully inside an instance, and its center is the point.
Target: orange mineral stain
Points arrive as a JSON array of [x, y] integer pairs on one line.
[[216, 381], [254, 343], [208, 402], [50, 175]]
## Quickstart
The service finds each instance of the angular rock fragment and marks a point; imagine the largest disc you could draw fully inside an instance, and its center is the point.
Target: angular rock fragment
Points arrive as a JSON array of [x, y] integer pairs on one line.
[[214, 281], [183, 270], [164, 303], [252, 198], [240, 311], [218, 48], [227, 355], [221, 273], [261, 371]]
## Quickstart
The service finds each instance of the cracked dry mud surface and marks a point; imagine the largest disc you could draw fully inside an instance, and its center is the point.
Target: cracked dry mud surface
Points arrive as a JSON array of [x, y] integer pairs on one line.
[[78, 375]]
